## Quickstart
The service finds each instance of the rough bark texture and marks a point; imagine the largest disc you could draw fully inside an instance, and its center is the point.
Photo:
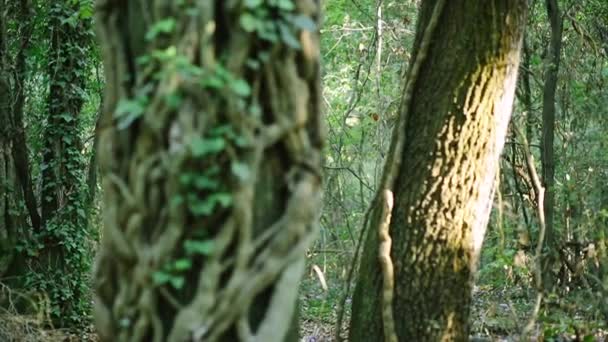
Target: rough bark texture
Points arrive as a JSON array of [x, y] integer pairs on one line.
[[454, 131], [210, 158], [548, 134]]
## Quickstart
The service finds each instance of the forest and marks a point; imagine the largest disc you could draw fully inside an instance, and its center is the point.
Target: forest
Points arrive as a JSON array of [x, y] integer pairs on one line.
[[303, 170]]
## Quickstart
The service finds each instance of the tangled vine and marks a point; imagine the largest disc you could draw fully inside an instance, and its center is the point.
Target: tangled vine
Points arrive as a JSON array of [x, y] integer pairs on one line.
[[210, 153]]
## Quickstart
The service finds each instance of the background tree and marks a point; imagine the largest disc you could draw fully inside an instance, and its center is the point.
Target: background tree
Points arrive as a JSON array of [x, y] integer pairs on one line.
[[548, 132], [442, 168], [210, 154]]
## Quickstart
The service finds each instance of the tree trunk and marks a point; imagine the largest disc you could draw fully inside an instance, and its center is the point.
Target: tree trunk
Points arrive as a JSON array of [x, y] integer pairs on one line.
[[62, 157], [210, 154], [548, 134], [20, 151], [452, 134], [65, 255], [7, 167]]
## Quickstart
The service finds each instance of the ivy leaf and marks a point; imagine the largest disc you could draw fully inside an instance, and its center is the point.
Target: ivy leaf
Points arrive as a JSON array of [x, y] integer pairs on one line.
[[203, 147], [66, 117], [288, 37], [198, 247], [223, 198], [303, 22], [201, 208], [162, 26], [253, 3], [212, 82], [248, 22], [182, 265], [128, 111], [241, 88], [205, 183], [177, 282], [286, 5], [160, 277], [176, 201]]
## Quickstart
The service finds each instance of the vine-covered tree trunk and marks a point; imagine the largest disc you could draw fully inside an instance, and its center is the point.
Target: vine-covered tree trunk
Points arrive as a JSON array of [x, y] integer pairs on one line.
[[454, 118], [210, 157], [67, 75], [63, 262]]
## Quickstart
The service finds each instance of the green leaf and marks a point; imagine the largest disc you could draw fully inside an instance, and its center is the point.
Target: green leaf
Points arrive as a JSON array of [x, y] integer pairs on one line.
[[86, 12], [223, 198], [128, 111], [203, 147], [286, 5], [198, 247], [205, 183], [212, 82], [201, 208], [288, 37], [241, 88], [66, 117], [303, 22], [248, 22], [160, 277], [176, 201], [177, 282], [253, 3], [182, 264], [81, 212], [163, 26], [173, 100]]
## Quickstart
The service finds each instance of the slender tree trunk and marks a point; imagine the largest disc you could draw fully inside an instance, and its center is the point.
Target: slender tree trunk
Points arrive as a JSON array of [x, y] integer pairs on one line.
[[454, 118], [7, 167], [548, 133], [527, 92], [13, 221], [93, 167], [210, 157], [20, 151]]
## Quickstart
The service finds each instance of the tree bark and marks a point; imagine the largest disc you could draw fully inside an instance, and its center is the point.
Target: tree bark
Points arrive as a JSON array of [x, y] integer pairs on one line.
[[210, 154], [64, 256], [7, 167], [453, 133], [19, 150], [548, 133]]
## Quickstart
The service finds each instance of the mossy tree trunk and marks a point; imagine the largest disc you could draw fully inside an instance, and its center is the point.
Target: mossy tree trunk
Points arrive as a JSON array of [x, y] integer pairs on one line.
[[454, 125], [210, 154]]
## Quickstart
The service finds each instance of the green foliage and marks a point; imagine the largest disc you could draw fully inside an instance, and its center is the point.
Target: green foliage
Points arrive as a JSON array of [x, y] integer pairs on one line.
[[260, 18], [58, 256]]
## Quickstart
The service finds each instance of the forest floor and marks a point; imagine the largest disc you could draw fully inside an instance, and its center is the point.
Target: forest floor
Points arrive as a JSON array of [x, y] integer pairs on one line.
[[501, 308], [500, 312]]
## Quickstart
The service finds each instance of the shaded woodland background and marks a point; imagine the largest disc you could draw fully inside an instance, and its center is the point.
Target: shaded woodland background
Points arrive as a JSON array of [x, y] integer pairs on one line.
[[51, 89]]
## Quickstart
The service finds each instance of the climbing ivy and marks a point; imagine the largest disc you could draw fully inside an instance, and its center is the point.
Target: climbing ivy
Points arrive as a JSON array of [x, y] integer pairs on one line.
[[61, 253]]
